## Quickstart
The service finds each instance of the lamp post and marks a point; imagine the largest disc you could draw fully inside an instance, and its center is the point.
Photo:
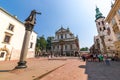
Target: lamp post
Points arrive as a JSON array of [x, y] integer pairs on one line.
[[29, 24]]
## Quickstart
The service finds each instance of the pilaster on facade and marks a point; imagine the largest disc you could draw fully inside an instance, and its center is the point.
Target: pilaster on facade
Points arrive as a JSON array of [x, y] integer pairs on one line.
[[65, 43]]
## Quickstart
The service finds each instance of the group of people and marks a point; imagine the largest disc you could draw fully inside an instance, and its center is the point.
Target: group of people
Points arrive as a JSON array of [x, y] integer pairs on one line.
[[100, 57]]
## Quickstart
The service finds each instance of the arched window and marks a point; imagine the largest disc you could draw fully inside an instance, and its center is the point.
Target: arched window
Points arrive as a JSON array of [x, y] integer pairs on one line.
[[103, 23], [61, 36], [98, 23], [100, 29], [104, 28]]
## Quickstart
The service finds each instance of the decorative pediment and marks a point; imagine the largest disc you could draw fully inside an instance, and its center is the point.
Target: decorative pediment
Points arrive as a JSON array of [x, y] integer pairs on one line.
[[61, 30]]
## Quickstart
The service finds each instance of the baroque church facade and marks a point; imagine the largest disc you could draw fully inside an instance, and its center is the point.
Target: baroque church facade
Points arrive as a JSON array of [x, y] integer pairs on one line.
[[65, 43]]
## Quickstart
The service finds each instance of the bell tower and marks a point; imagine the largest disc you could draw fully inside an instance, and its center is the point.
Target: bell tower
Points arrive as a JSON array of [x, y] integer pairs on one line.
[[100, 22]]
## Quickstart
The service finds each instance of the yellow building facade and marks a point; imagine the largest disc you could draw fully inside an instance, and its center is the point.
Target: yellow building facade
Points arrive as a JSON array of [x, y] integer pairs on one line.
[[113, 20]]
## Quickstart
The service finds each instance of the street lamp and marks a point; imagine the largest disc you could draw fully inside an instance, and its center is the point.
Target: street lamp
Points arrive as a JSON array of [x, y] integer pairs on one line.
[[29, 25]]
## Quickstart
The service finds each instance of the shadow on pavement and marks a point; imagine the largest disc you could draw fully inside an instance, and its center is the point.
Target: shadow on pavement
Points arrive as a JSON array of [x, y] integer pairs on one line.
[[101, 71], [5, 70], [82, 66]]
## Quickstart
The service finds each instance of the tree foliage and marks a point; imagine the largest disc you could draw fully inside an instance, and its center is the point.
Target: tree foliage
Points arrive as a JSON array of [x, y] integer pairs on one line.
[[41, 43], [84, 49], [49, 40]]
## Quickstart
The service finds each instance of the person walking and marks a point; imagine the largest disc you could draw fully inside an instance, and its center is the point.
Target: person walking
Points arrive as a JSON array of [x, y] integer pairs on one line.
[[94, 57], [83, 57], [107, 61], [100, 57]]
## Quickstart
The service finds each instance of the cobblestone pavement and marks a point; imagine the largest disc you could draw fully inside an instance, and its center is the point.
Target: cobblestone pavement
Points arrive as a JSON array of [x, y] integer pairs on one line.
[[60, 69], [36, 67], [73, 70], [101, 71]]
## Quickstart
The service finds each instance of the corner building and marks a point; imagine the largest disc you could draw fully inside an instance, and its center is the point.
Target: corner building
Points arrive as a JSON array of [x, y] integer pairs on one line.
[[12, 33]]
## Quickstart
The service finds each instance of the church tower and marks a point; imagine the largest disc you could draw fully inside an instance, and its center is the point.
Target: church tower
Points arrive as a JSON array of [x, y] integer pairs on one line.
[[101, 28], [100, 22]]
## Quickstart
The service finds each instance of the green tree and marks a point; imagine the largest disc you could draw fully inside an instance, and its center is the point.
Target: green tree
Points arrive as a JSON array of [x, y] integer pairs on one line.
[[84, 49], [49, 40], [41, 43]]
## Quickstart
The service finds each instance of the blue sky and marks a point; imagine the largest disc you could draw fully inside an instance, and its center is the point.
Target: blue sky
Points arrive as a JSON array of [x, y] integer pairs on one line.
[[78, 15]]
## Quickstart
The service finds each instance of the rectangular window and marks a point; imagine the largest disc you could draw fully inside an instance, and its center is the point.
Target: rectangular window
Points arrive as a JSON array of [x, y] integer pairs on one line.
[[118, 36], [113, 21], [61, 36], [65, 47], [11, 27], [58, 47], [7, 39], [119, 11], [58, 37], [31, 45], [2, 54], [65, 35], [71, 46]]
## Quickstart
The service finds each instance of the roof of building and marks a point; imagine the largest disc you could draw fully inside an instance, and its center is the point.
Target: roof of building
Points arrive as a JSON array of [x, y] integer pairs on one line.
[[112, 11], [63, 30], [14, 17], [98, 14]]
